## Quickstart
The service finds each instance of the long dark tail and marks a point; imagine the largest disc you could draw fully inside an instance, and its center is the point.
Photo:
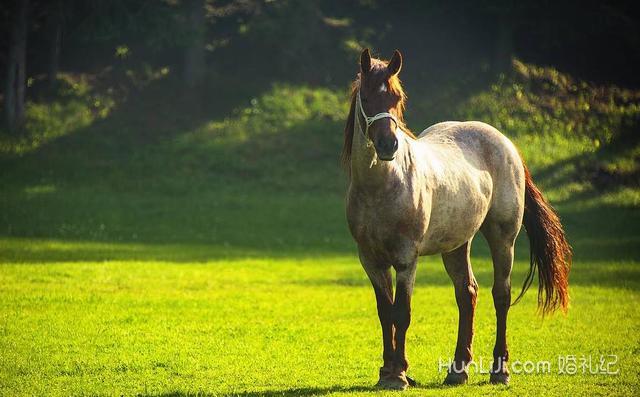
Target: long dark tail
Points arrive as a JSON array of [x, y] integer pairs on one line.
[[549, 251]]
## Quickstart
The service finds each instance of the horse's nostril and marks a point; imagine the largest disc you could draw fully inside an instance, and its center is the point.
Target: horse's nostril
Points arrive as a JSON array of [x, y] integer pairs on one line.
[[389, 145], [386, 146]]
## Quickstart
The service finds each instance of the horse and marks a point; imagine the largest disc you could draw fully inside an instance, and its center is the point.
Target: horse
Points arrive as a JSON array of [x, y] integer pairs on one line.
[[410, 196]]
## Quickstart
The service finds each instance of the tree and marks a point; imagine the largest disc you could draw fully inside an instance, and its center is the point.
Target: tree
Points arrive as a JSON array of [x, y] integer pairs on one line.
[[14, 101], [55, 23], [194, 68]]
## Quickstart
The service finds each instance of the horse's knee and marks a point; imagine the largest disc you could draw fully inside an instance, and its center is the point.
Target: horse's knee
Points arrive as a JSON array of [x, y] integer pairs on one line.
[[402, 317], [473, 288], [385, 315], [501, 293], [467, 294]]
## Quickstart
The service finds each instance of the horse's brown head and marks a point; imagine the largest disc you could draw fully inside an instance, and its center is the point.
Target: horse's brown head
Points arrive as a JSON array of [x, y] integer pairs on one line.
[[382, 101], [378, 94]]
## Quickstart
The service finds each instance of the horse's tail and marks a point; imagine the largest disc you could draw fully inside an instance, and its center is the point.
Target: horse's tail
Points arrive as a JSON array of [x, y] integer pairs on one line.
[[550, 252]]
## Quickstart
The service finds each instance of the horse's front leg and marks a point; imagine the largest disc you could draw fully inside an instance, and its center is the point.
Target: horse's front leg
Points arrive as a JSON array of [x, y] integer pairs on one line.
[[381, 280], [458, 266], [405, 280]]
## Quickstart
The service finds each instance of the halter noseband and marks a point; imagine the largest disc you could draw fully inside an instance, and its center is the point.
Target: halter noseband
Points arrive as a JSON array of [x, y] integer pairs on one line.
[[370, 120]]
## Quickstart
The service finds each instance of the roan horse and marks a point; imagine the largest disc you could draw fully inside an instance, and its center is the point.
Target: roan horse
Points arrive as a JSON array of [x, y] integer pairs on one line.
[[411, 196]]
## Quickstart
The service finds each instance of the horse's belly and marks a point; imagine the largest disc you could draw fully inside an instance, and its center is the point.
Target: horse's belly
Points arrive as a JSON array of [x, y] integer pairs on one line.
[[456, 217]]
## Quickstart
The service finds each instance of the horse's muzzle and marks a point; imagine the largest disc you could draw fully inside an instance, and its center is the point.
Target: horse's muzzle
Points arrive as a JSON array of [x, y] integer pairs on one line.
[[386, 148]]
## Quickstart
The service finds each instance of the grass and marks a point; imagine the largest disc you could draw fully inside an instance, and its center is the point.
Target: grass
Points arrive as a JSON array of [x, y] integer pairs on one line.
[[283, 327], [144, 255]]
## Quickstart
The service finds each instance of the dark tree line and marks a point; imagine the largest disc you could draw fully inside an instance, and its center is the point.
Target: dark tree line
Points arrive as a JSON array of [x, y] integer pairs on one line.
[[70, 31], [313, 41], [14, 95]]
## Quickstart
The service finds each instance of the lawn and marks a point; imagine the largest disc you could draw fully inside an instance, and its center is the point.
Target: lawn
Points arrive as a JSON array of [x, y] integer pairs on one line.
[[209, 260], [282, 326]]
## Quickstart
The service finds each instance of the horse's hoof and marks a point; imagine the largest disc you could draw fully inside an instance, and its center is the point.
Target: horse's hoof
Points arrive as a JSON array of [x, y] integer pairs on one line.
[[388, 384], [394, 382], [456, 378], [499, 378], [411, 382]]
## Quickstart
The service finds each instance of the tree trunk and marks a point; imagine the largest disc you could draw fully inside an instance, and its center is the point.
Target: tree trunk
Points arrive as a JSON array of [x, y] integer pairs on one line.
[[10, 87], [504, 46], [16, 69], [194, 58], [55, 26]]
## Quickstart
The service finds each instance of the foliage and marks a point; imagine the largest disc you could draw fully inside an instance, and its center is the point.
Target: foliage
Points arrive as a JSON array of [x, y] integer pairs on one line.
[[278, 110], [544, 101], [76, 106], [288, 138], [552, 116], [293, 35]]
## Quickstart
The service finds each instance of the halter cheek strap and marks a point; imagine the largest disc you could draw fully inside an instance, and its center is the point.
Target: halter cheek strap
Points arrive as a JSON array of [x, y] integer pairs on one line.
[[368, 121]]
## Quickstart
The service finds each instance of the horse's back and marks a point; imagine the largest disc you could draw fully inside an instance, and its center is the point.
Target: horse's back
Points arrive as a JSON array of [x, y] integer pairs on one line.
[[485, 148], [507, 172], [481, 144]]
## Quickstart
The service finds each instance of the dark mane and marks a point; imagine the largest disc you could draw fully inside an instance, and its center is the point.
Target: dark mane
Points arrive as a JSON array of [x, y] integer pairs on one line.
[[395, 87]]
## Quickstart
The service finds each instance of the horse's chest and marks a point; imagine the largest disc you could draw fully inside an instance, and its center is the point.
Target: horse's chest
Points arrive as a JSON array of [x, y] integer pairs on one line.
[[386, 227]]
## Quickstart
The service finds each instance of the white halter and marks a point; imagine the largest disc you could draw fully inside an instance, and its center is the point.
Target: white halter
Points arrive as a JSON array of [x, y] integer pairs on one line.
[[370, 120]]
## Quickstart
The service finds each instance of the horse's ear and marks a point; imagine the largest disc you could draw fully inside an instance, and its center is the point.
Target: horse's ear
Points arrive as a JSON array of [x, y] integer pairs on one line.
[[395, 64], [365, 61]]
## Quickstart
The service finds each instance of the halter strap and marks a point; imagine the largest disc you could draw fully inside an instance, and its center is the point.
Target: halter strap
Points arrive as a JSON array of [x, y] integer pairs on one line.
[[370, 120]]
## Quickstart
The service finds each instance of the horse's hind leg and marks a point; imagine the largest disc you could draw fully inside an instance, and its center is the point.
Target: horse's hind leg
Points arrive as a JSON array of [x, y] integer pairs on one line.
[[501, 238], [458, 266]]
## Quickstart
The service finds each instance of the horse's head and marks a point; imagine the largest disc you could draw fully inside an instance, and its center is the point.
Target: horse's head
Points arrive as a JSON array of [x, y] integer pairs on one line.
[[381, 102]]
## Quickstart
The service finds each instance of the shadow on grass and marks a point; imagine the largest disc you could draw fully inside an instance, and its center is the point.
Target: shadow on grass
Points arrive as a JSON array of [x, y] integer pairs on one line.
[[60, 227], [46, 251], [303, 391], [591, 272], [611, 275], [311, 391]]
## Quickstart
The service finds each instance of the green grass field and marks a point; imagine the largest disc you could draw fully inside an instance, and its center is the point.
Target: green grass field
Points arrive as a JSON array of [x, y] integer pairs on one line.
[[214, 259]]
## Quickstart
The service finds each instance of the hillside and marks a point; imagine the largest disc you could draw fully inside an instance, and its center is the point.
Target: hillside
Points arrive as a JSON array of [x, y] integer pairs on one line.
[[154, 169]]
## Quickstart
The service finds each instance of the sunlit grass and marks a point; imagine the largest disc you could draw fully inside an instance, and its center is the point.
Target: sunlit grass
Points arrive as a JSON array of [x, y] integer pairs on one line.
[[281, 327]]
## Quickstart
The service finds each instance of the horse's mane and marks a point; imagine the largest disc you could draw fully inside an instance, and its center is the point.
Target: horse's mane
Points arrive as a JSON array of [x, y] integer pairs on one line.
[[378, 71]]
